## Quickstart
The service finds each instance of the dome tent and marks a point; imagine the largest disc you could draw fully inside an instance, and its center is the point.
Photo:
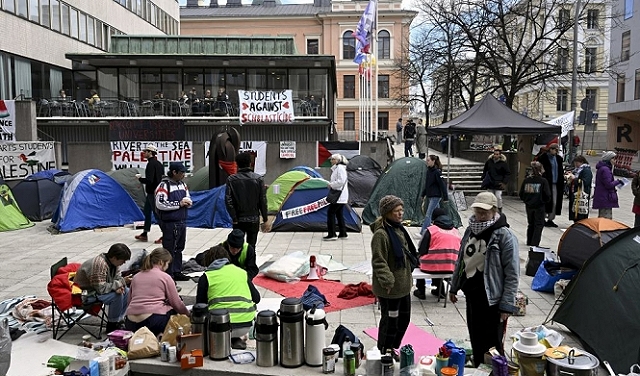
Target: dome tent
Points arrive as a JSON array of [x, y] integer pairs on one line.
[[363, 173]]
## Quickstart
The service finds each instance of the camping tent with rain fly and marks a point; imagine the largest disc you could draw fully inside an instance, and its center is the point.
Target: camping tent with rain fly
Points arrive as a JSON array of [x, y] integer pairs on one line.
[[11, 218], [363, 173], [310, 171], [280, 188], [601, 302], [53, 174], [306, 208], [93, 199], [583, 238], [209, 210], [126, 177], [37, 197], [199, 181], [403, 178]]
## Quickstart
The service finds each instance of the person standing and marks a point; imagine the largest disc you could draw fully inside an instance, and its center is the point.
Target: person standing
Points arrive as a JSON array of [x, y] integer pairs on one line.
[[399, 129], [152, 176], [605, 196], [246, 199], [535, 193], [434, 189], [421, 140], [495, 174], [487, 271], [635, 188], [554, 173], [409, 138], [392, 280], [579, 180], [339, 181], [173, 201]]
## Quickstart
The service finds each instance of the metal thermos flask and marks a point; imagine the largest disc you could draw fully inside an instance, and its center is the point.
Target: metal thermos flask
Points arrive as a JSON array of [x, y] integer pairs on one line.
[[219, 334], [266, 334], [199, 321], [291, 333], [315, 338]]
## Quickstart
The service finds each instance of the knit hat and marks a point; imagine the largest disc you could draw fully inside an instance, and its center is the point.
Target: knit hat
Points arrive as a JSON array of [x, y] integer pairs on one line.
[[608, 155], [436, 213], [485, 200], [388, 203], [236, 238]]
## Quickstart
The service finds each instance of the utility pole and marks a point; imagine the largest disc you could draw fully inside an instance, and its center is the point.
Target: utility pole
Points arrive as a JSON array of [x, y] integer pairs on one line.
[[574, 76]]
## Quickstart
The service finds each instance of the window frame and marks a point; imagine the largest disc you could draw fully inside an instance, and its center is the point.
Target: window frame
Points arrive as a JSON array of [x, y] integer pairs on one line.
[[636, 89], [625, 46], [382, 125], [620, 87], [352, 90], [590, 60], [384, 45], [317, 46], [349, 121], [383, 83], [592, 18], [348, 45], [562, 98]]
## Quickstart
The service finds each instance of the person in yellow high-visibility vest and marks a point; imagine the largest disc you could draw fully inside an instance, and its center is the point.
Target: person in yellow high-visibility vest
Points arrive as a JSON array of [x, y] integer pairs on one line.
[[241, 253], [226, 286]]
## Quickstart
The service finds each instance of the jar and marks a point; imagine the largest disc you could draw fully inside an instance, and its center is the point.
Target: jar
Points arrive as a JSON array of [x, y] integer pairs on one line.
[[448, 371], [349, 363], [328, 360]]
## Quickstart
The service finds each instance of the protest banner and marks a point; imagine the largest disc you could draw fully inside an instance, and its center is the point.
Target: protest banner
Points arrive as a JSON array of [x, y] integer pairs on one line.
[[146, 129], [257, 148], [266, 106], [7, 120], [304, 209], [126, 154], [287, 149], [21, 159]]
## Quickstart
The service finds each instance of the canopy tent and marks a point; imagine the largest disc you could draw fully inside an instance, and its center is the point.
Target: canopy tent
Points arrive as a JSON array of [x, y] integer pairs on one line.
[[490, 117]]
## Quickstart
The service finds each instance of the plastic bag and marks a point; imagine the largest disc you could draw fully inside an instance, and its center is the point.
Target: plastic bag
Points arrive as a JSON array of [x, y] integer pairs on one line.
[[143, 344], [171, 330], [5, 347], [548, 274], [59, 362]]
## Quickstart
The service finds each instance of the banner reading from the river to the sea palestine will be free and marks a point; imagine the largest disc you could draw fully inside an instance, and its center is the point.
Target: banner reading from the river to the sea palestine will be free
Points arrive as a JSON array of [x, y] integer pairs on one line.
[[266, 106]]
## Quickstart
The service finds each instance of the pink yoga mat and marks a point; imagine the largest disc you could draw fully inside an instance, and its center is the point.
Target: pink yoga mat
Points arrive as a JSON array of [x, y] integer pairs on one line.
[[423, 342]]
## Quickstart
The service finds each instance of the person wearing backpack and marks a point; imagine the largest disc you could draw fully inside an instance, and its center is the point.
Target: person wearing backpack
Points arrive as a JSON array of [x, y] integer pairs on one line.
[[409, 138]]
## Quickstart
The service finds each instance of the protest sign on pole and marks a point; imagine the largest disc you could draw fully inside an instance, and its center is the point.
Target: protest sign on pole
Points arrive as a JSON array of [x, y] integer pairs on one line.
[[21, 159], [126, 154]]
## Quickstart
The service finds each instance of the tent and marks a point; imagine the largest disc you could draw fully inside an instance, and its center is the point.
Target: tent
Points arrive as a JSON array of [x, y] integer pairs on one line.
[[281, 187], [37, 197], [209, 210], [363, 173], [55, 175], [126, 177], [310, 171], [199, 181], [582, 239], [94, 199], [403, 178], [601, 303], [305, 209], [490, 117], [11, 218]]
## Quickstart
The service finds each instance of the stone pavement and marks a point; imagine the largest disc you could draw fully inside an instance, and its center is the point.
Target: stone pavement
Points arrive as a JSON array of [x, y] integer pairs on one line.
[[29, 253]]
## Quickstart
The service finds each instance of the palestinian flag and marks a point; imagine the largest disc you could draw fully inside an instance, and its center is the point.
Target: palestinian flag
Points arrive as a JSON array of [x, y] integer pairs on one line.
[[4, 112], [327, 148]]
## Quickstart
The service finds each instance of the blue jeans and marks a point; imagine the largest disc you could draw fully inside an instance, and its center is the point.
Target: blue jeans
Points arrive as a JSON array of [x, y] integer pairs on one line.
[[117, 304], [433, 203]]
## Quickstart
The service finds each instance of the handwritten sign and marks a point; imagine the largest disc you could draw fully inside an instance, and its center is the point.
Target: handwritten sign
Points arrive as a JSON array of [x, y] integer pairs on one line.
[[287, 149], [146, 129], [257, 148], [7, 120], [21, 159], [126, 154], [304, 209], [266, 106]]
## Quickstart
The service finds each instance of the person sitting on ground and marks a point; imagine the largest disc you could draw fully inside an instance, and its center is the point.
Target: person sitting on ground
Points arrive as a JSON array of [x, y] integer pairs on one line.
[[101, 281], [153, 297], [241, 253], [226, 286]]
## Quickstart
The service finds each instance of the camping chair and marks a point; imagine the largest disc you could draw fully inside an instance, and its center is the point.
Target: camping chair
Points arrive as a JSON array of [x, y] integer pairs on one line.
[[70, 317]]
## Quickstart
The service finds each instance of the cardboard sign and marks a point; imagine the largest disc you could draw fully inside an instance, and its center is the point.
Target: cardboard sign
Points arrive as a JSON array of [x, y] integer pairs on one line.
[[21, 159], [7, 120], [266, 106], [287, 149], [126, 154], [257, 148]]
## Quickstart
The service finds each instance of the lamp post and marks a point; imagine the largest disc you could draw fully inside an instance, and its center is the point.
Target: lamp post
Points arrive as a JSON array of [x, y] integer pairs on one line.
[[574, 77]]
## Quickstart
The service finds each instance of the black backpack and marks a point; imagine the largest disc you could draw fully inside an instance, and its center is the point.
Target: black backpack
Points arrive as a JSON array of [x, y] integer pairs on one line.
[[341, 335], [410, 131]]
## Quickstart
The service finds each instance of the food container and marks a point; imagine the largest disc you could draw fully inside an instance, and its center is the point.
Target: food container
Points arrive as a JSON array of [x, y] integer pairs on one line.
[[583, 365]]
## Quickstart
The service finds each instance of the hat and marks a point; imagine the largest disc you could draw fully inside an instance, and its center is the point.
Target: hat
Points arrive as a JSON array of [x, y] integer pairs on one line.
[[177, 166], [608, 155], [437, 212], [388, 203], [150, 147], [485, 200], [236, 238], [529, 345]]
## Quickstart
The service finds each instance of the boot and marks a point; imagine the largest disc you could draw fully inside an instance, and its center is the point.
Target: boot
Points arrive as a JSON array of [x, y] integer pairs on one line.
[[111, 326]]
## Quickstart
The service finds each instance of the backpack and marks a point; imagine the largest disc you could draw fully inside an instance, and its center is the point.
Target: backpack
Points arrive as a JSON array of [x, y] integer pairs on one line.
[[341, 335], [409, 131]]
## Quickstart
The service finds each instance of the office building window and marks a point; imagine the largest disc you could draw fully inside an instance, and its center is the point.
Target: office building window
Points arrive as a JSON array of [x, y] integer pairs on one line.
[[91, 31], [383, 86], [383, 121], [34, 11], [384, 45], [625, 50], [45, 15], [55, 15], [82, 26], [65, 18], [562, 97], [620, 88], [73, 20], [564, 17], [592, 18], [636, 89], [22, 9], [348, 45], [313, 46], [590, 61], [9, 6], [349, 121], [563, 60], [349, 86], [628, 9]]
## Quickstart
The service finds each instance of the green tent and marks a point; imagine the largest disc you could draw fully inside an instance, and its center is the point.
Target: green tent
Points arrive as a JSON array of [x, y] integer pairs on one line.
[[403, 178], [283, 185], [199, 181], [11, 217], [126, 177]]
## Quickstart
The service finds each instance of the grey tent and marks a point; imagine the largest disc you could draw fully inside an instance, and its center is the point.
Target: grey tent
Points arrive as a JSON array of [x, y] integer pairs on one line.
[[37, 198], [601, 303], [403, 178], [199, 181], [126, 177], [363, 173], [490, 117]]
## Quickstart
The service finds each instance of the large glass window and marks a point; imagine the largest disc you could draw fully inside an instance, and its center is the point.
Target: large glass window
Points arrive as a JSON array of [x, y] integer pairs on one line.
[[214, 80], [562, 97], [628, 9], [22, 9], [348, 45], [65, 18], [256, 79], [172, 83], [590, 60], [99, 36], [383, 86], [151, 83], [383, 121], [91, 31], [73, 21], [384, 45], [277, 79], [193, 79], [82, 26], [592, 18], [349, 82], [9, 5], [108, 83], [129, 80], [84, 81], [235, 80], [55, 15], [318, 80], [45, 13], [625, 49], [299, 84], [313, 46], [620, 87], [34, 11]]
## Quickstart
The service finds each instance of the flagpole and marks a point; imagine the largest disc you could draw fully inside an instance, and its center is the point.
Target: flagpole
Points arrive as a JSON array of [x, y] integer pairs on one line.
[[374, 117]]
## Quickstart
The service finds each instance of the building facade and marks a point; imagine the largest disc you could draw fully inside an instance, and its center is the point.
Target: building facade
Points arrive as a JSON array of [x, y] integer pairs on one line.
[[323, 28]]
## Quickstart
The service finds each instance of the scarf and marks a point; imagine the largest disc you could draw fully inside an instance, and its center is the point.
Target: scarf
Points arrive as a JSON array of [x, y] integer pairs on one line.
[[576, 171], [396, 246], [477, 227]]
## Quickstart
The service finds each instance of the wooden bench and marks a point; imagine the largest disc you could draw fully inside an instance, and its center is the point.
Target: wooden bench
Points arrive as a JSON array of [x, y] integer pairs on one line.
[[446, 279]]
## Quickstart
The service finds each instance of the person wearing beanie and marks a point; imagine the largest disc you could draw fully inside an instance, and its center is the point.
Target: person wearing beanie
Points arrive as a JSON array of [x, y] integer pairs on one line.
[[487, 271], [392, 256], [554, 173], [339, 182], [152, 175], [241, 253], [605, 196], [535, 193], [438, 250], [579, 180], [495, 174]]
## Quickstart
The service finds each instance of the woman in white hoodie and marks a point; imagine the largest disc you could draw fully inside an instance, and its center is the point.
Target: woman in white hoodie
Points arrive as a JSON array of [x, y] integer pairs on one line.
[[336, 210]]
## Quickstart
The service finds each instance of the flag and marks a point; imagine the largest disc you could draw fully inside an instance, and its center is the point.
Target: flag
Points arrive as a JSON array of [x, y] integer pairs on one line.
[[327, 148], [565, 121], [364, 32]]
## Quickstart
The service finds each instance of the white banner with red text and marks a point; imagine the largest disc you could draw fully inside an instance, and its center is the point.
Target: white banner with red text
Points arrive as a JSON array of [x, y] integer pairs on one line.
[[21, 159], [266, 106], [126, 154]]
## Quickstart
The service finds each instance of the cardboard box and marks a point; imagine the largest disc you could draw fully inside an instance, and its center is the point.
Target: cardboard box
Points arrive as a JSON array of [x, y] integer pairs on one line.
[[192, 360], [190, 342]]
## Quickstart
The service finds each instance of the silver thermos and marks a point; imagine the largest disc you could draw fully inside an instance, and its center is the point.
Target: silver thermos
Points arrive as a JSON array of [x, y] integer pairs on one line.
[[266, 333], [199, 321], [291, 333], [219, 334]]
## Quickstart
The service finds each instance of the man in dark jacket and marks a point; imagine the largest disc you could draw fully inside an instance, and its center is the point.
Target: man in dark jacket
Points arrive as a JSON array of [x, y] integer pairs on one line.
[[409, 137], [152, 176], [246, 199], [495, 174], [554, 173], [535, 193]]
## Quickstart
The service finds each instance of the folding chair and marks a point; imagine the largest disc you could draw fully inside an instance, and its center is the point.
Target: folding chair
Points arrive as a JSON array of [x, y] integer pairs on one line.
[[70, 317]]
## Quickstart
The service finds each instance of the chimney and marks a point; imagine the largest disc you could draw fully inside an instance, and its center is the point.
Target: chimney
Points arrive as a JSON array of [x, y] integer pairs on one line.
[[213, 3], [234, 3], [269, 3], [192, 3]]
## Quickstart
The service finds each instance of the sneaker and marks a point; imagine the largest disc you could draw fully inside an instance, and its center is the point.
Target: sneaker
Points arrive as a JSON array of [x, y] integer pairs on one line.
[[142, 237], [419, 295], [238, 344], [158, 241], [550, 224], [181, 277], [342, 236], [330, 238]]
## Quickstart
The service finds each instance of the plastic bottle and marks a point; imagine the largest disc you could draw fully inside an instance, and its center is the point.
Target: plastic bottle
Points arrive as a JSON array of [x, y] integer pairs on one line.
[[179, 344], [346, 345]]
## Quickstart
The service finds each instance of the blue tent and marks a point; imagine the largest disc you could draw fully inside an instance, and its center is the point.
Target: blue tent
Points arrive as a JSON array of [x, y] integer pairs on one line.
[[55, 175], [310, 171], [93, 199], [305, 209], [209, 210]]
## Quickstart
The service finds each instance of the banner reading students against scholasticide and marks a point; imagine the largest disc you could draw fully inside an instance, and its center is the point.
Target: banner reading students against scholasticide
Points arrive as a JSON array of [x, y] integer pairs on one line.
[[21, 159], [266, 106], [126, 154]]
